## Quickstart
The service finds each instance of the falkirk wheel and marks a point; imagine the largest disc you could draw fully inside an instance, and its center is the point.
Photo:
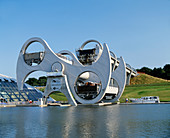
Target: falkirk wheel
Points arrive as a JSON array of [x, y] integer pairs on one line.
[[92, 76]]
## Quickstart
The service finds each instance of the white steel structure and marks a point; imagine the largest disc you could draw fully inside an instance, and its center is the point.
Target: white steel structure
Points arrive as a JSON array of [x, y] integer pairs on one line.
[[93, 76]]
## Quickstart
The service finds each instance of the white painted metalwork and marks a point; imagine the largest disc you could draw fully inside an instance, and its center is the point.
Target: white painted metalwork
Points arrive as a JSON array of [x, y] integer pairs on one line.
[[93, 76]]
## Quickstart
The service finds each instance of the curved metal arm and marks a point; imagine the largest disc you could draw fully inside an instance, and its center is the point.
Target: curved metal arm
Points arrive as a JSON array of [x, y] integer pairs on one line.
[[89, 41]]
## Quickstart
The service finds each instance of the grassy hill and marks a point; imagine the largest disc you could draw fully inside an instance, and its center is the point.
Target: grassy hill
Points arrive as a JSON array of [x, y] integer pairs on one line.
[[58, 96], [146, 85], [141, 85], [146, 79]]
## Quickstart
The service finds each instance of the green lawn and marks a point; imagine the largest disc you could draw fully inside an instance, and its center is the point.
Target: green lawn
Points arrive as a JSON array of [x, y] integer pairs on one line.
[[136, 91], [58, 96]]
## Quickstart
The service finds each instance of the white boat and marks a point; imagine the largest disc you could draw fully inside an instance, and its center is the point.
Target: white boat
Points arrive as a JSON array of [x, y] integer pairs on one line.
[[147, 99]]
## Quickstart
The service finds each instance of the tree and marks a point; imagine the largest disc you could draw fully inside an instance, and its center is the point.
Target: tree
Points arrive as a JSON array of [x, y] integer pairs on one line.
[[32, 81], [37, 82], [42, 81], [158, 72], [167, 71], [145, 70]]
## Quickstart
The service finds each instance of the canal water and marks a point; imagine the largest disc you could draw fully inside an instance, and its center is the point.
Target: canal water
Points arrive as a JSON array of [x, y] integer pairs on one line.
[[116, 121]]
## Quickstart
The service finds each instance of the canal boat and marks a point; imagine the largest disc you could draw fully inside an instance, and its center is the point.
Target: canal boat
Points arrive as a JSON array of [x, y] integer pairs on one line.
[[147, 99], [88, 90]]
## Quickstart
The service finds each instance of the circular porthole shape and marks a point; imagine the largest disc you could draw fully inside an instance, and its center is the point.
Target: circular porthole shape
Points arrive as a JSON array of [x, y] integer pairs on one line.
[[88, 86], [34, 54], [89, 52]]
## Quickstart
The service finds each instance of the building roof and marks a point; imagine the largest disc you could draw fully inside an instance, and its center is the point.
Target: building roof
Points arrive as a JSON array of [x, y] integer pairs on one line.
[[9, 90]]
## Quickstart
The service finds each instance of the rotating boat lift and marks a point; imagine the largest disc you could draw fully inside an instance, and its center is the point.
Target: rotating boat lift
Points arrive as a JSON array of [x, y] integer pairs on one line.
[[92, 76]]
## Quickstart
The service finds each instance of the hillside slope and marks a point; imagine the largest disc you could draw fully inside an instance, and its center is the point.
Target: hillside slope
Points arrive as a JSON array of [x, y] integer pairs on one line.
[[146, 79], [141, 85], [146, 85]]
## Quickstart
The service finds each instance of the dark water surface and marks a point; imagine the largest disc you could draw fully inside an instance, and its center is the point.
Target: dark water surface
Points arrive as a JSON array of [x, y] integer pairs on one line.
[[117, 121]]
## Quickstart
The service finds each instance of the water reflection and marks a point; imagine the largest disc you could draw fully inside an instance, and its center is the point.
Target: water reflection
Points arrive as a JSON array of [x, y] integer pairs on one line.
[[86, 121]]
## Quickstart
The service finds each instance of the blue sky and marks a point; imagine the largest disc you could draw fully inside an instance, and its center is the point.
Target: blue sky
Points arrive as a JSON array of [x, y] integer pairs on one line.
[[138, 30]]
